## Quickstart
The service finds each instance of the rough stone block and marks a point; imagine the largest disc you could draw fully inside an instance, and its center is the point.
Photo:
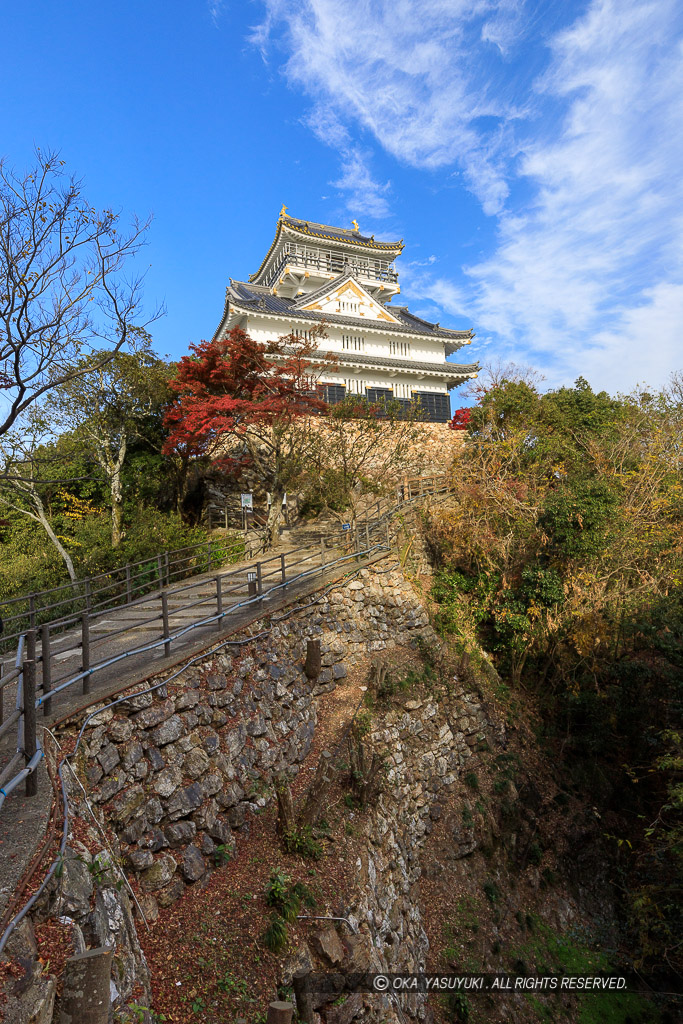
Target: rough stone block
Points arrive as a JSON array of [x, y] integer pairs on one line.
[[154, 714], [108, 758], [192, 864], [159, 874], [184, 802], [169, 730]]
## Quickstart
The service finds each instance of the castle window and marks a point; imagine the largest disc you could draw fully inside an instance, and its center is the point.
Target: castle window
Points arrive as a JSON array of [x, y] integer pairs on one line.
[[304, 335], [353, 343], [399, 348]]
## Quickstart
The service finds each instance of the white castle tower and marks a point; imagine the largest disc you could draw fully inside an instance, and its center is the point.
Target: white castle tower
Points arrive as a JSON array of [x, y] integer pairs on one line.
[[314, 273]]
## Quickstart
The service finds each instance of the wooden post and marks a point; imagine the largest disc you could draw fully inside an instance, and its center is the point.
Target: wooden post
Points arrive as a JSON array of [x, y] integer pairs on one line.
[[322, 552], [86, 996], [226, 516], [302, 995], [259, 580], [219, 600], [47, 666], [367, 535], [85, 651], [282, 568], [378, 510], [160, 571], [167, 568], [280, 1013], [129, 588], [29, 690], [313, 664], [164, 619]]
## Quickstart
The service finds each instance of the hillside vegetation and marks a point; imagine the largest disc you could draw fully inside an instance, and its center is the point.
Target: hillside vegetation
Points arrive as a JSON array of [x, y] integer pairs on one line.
[[562, 558]]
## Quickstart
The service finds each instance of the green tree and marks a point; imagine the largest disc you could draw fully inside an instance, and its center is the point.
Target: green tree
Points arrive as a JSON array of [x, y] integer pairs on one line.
[[113, 406]]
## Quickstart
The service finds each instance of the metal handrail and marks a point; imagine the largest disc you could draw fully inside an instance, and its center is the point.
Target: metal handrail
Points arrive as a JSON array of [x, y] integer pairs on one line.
[[368, 527]]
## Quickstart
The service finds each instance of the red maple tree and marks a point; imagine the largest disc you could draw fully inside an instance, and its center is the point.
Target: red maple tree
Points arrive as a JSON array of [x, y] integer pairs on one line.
[[461, 419], [237, 401]]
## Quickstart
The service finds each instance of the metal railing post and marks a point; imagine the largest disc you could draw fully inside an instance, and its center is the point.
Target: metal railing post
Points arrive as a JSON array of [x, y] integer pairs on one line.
[[208, 569], [29, 676], [129, 588], [219, 599], [282, 568], [160, 572], [367, 535], [164, 619], [88, 595], [85, 651], [322, 552], [31, 645], [32, 610], [259, 580], [167, 568], [47, 666]]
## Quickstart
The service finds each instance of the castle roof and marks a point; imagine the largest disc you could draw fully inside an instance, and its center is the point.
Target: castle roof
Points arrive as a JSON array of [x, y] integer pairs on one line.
[[249, 298], [302, 230]]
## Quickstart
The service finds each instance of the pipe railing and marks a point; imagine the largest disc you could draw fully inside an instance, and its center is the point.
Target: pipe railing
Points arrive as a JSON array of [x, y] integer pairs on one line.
[[143, 576], [369, 536]]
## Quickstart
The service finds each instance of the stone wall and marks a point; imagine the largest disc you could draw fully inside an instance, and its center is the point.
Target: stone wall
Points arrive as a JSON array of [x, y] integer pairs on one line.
[[428, 747], [178, 771]]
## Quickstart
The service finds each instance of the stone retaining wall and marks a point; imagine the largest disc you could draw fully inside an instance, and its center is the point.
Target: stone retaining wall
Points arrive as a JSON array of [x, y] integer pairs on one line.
[[179, 771]]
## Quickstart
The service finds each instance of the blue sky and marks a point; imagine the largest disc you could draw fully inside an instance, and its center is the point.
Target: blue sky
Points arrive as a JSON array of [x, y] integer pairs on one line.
[[529, 153]]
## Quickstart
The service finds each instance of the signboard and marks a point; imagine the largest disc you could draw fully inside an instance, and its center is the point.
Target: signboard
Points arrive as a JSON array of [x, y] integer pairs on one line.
[[251, 577], [284, 500], [346, 526], [247, 500]]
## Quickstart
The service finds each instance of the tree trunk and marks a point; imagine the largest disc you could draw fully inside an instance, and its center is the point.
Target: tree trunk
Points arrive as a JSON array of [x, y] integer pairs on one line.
[[38, 515], [286, 820], [273, 521], [116, 510], [62, 550]]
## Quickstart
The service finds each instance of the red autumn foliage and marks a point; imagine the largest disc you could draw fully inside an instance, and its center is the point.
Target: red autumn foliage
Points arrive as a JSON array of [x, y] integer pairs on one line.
[[461, 419], [227, 386]]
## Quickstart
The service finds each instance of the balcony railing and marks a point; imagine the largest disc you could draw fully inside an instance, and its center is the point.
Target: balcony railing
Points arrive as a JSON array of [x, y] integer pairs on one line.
[[334, 262]]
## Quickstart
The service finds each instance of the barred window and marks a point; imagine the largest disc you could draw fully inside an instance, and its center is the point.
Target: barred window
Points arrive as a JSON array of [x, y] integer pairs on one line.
[[399, 348], [353, 343]]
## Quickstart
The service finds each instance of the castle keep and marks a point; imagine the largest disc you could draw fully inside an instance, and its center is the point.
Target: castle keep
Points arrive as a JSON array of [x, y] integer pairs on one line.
[[314, 273]]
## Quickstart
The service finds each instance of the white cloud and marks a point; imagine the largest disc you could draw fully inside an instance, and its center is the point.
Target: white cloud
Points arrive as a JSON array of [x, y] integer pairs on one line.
[[215, 9], [403, 70], [365, 196], [598, 255], [581, 167]]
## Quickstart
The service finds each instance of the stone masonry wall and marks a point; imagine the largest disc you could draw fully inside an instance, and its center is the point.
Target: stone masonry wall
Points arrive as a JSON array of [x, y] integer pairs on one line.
[[428, 748], [178, 771]]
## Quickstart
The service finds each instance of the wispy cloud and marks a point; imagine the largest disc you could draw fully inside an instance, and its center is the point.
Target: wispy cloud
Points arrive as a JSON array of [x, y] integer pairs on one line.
[[403, 71], [216, 8], [575, 148]]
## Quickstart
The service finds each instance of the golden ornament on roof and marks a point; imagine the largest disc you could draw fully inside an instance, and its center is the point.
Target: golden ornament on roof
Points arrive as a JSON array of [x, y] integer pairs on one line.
[[355, 225], [283, 211]]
